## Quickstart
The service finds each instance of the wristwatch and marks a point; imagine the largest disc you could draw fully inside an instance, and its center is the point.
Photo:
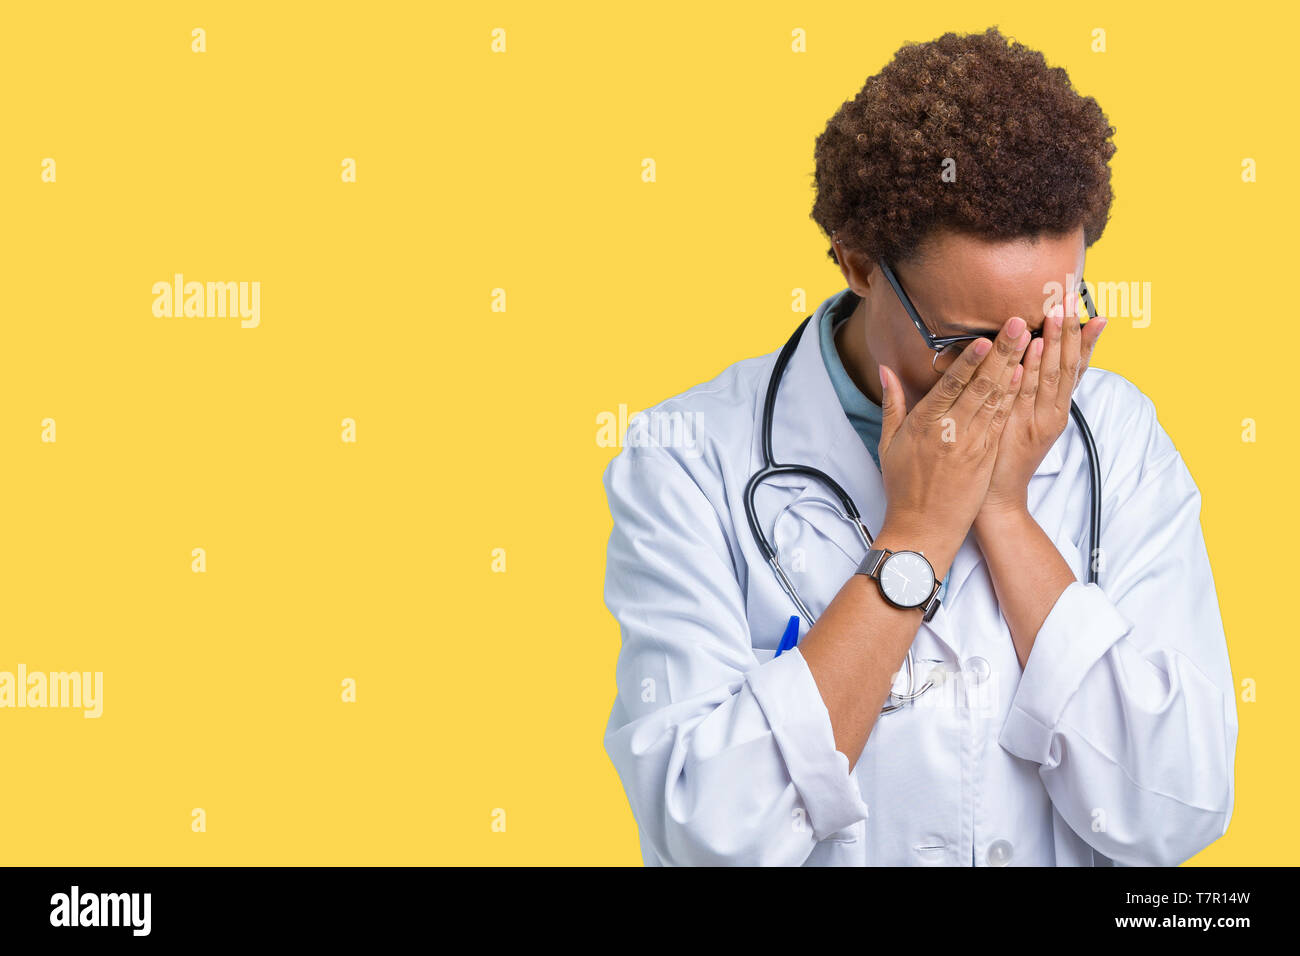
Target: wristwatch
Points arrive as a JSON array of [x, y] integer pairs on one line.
[[905, 578]]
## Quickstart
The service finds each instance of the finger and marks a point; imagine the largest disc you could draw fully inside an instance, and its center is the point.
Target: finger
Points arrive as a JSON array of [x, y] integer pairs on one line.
[[939, 400], [1004, 354], [1049, 377], [994, 400], [998, 423], [1091, 333], [1029, 384], [891, 408], [1071, 349]]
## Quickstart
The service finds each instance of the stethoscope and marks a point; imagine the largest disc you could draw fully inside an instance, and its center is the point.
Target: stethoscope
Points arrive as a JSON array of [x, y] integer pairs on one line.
[[771, 469]]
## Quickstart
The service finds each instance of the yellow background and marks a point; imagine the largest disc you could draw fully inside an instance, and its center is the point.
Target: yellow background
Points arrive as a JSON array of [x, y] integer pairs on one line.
[[477, 429]]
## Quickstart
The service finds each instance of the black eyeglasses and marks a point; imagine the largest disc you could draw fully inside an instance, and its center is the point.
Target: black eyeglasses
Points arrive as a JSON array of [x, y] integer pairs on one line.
[[950, 346]]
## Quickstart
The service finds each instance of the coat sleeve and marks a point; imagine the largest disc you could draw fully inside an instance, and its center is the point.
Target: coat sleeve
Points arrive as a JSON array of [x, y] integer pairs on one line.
[[1127, 702], [724, 761]]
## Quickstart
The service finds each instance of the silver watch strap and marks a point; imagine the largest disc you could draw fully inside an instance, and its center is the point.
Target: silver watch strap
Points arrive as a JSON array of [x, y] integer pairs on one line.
[[933, 604], [871, 563]]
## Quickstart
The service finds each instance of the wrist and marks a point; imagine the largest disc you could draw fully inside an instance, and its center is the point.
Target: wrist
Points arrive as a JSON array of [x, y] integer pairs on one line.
[[1001, 518], [935, 546]]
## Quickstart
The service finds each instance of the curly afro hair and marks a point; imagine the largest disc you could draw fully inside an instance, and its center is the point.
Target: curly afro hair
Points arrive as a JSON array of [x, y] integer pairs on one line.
[[1030, 155]]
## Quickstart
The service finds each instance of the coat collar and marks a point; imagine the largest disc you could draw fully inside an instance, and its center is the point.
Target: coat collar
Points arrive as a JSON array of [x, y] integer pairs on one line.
[[810, 427]]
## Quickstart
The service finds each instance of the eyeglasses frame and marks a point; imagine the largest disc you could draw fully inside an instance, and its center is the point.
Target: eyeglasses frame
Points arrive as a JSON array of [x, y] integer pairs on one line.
[[939, 343]]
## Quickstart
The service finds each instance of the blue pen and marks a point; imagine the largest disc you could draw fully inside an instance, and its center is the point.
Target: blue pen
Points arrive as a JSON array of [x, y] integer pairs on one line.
[[790, 638]]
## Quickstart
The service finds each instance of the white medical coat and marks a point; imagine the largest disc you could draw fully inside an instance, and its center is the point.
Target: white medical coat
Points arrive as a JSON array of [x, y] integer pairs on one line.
[[1115, 745]]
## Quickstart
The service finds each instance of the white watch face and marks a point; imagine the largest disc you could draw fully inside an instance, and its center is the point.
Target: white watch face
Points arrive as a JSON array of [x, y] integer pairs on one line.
[[906, 578]]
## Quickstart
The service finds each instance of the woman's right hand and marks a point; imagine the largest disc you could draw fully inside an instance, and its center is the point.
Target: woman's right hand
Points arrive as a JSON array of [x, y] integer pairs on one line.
[[937, 459]]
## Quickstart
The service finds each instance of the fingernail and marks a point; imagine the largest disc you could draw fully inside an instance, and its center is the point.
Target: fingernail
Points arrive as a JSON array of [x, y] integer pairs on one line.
[[1058, 312], [1015, 327], [883, 386], [982, 346], [1101, 326]]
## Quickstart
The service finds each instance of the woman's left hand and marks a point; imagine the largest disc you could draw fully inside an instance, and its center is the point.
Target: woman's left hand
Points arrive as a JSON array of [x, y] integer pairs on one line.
[[1054, 364]]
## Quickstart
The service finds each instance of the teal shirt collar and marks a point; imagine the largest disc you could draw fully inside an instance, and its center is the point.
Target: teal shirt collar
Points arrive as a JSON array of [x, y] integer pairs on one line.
[[863, 414]]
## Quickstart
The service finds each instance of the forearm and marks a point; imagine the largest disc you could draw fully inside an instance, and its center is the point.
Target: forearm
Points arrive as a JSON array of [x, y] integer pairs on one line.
[[1027, 570], [860, 641]]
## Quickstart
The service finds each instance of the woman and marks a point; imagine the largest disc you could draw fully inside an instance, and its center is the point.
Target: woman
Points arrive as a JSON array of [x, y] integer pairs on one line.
[[1062, 722]]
